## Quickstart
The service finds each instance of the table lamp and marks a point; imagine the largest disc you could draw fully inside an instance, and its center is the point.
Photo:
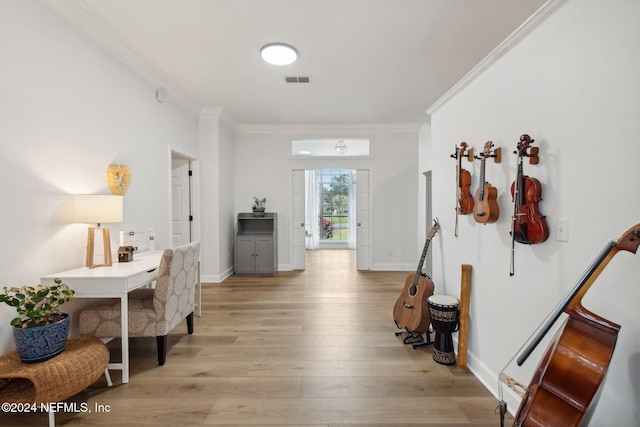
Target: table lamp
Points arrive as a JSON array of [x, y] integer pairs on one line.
[[97, 208]]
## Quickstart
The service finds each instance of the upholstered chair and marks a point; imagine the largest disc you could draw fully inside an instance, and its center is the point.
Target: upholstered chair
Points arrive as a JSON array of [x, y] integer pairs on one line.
[[152, 312]]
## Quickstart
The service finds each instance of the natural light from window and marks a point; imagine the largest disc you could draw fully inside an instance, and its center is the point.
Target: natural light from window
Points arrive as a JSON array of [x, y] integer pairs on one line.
[[334, 216], [330, 147]]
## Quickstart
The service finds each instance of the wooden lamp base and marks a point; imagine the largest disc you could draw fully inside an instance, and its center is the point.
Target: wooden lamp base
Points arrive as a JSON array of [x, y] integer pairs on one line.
[[106, 247]]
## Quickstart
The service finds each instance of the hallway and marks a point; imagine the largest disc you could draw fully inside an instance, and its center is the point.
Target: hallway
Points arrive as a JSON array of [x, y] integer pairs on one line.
[[313, 348]]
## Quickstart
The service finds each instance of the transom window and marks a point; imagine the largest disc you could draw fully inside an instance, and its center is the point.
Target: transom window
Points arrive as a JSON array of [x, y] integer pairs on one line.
[[330, 147]]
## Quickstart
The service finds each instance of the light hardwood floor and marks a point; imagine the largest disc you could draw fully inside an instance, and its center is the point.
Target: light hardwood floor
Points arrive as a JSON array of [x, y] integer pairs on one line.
[[309, 348]]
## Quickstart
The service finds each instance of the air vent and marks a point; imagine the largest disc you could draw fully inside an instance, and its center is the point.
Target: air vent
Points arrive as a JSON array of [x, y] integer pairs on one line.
[[297, 79]]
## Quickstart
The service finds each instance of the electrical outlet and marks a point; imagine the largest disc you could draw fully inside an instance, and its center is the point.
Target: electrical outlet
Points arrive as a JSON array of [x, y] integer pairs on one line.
[[562, 229]]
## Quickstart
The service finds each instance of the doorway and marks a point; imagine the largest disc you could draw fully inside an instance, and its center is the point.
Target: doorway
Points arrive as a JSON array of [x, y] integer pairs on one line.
[[330, 210], [428, 264], [181, 200]]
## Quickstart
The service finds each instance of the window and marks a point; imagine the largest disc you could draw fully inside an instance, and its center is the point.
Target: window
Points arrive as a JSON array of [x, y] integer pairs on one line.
[[330, 147], [334, 216]]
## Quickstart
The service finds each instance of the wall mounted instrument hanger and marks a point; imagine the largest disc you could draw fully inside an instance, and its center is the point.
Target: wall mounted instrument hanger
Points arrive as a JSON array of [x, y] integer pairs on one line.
[[486, 209], [464, 199], [528, 225]]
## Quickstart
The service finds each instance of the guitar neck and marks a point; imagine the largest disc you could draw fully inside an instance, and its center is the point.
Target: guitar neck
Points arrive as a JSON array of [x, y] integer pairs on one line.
[[481, 187], [421, 263]]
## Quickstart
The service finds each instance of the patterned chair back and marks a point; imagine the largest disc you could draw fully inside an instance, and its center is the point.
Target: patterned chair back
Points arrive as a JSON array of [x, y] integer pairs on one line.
[[174, 294]]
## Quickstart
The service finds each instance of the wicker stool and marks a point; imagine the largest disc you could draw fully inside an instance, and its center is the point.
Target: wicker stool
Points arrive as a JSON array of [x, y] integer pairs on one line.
[[81, 363]]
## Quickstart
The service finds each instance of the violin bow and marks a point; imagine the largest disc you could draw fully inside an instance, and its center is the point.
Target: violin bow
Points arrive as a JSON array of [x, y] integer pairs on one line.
[[456, 155]]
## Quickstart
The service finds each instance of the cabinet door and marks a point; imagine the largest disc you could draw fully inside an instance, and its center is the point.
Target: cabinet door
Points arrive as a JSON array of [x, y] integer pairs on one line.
[[264, 258], [245, 255]]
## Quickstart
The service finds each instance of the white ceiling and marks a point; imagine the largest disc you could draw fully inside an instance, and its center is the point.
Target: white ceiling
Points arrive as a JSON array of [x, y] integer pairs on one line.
[[370, 61]]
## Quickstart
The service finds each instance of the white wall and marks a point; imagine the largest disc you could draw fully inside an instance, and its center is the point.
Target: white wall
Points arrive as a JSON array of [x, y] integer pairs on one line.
[[67, 111], [262, 168], [424, 165], [572, 84], [216, 140]]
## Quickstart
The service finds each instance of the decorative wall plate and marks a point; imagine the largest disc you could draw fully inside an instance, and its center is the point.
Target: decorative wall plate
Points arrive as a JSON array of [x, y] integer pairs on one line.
[[118, 178]]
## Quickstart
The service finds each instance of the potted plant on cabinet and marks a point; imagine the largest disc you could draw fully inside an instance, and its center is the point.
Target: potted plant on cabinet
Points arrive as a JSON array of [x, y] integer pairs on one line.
[[258, 206], [41, 330]]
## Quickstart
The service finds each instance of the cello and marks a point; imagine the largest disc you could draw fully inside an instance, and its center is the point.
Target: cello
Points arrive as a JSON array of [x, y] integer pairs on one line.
[[464, 199], [570, 373], [528, 225]]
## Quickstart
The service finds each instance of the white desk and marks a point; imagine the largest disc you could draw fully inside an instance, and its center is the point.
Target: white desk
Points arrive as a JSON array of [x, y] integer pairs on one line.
[[115, 281]]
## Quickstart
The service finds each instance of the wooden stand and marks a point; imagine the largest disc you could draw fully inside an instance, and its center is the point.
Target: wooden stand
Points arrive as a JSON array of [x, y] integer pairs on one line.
[[463, 332], [106, 247]]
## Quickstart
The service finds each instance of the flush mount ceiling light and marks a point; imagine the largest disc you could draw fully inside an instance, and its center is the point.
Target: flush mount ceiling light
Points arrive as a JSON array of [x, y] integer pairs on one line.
[[341, 147], [279, 54]]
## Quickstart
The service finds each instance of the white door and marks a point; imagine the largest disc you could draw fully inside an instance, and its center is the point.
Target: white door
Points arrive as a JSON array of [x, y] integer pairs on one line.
[[363, 220], [180, 200], [298, 233]]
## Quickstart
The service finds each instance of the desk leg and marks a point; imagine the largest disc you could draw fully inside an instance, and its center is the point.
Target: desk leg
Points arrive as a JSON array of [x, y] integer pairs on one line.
[[124, 320], [199, 290], [124, 339]]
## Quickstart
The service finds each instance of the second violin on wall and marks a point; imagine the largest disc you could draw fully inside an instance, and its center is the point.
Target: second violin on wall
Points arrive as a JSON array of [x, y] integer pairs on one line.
[[464, 199], [528, 225]]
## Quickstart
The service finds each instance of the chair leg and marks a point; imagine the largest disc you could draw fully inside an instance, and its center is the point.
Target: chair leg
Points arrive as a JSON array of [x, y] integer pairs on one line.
[[161, 342], [190, 323], [108, 377]]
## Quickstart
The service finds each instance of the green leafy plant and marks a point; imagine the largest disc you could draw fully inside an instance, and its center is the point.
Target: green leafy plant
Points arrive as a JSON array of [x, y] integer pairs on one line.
[[37, 305], [259, 203]]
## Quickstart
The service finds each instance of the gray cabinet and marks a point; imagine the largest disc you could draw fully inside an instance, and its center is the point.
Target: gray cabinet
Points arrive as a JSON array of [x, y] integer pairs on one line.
[[256, 251]]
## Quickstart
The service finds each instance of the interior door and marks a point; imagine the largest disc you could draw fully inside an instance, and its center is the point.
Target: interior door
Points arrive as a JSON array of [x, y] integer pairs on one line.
[[363, 220], [180, 201], [297, 219]]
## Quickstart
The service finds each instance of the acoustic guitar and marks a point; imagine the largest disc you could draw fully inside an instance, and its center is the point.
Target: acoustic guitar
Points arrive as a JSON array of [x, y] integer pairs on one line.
[[411, 310], [486, 209]]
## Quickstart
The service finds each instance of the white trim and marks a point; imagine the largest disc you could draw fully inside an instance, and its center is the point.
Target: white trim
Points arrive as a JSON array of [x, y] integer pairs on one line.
[[337, 130], [219, 114], [540, 16], [81, 16], [216, 278]]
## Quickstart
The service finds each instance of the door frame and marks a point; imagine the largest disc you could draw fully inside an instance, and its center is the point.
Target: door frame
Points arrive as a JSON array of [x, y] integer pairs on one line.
[[193, 200], [365, 263]]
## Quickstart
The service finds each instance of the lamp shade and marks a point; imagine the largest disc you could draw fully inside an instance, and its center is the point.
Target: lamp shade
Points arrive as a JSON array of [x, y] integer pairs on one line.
[[97, 208]]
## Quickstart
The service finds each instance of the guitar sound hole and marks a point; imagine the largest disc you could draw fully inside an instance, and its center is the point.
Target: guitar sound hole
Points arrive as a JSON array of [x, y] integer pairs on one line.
[[413, 290]]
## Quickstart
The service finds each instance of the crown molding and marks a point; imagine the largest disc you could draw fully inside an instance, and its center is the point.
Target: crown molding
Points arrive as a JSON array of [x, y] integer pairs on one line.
[[81, 16], [540, 16], [337, 129], [220, 114]]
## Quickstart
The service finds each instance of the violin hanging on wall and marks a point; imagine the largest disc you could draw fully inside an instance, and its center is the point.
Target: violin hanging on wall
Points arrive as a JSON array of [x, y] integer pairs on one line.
[[528, 225], [464, 199], [486, 209]]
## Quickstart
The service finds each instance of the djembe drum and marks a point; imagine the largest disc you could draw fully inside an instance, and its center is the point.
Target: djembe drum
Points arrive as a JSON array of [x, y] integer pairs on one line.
[[444, 313]]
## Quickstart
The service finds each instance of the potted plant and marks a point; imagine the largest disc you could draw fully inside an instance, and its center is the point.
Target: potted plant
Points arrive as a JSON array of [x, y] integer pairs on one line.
[[41, 330], [258, 206]]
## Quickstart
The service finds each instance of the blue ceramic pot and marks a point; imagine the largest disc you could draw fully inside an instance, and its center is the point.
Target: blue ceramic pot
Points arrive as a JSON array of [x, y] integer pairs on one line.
[[42, 342]]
